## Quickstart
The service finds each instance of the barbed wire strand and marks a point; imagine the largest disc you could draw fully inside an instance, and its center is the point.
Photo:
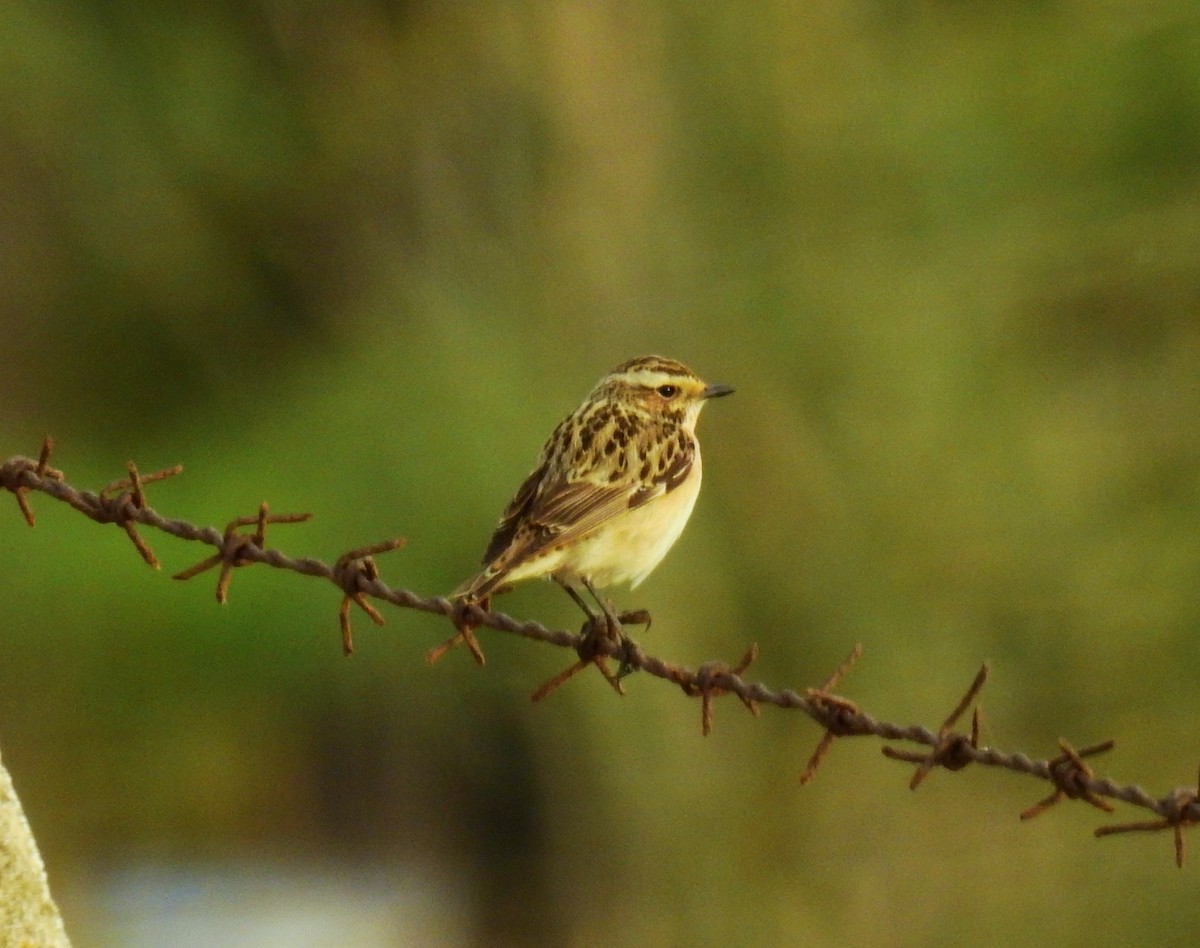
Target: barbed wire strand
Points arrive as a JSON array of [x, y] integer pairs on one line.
[[356, 574]]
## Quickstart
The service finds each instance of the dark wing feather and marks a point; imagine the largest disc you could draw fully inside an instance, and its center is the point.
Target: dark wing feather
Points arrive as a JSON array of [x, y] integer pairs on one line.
[[561, 513], [557, 514], [541, 516], [515, 513], [569, 510]]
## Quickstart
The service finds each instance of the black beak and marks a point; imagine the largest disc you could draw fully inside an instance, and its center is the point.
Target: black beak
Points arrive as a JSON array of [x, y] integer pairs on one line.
[[716, 391]]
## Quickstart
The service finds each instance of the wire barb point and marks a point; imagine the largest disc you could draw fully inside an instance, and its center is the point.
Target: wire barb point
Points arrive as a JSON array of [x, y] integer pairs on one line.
[[836, 712], [352, 571], [952, 751], [17, 472], [715, 679], [601, 637], [236, 547], [1183, 812], [124, 503], [464, 618], [1071, 776]]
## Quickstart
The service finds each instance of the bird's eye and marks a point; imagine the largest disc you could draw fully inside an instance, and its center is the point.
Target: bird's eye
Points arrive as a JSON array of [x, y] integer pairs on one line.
[[668, 391]]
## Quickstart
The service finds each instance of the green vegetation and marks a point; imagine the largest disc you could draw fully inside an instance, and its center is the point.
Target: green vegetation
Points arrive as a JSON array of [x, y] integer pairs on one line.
[[357, 258]]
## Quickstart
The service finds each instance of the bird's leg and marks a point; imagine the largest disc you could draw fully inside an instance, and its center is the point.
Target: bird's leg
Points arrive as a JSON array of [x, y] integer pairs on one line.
[[616, 631], [579, 600], [611, 622], [618, 620], [593, 630], [610, 617]]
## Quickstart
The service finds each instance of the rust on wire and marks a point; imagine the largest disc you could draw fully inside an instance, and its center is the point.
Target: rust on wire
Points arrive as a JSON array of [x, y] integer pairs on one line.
[[234, 550], [711, 681], [120, 501], [357, 577], [552, 684], [1072, 778], [461, 617], [594, 646], [837, 713], [352, 571], [953, 751], [1185, 813], [16, 467]]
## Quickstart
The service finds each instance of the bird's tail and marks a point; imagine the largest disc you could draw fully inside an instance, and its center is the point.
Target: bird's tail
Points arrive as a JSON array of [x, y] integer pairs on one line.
[[480, 586]]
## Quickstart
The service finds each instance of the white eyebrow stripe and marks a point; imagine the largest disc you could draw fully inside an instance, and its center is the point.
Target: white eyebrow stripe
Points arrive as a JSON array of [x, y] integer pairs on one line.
[[648, 378]]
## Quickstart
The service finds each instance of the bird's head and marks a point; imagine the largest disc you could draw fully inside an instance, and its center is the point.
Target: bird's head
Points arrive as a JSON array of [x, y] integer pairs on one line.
[[660, 387]]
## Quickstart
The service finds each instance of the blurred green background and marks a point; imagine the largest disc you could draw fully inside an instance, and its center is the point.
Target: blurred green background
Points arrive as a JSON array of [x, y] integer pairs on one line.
[[357, 258]]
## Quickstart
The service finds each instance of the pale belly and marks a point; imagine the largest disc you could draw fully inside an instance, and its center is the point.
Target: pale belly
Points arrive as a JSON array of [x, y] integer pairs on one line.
[[628, 548]]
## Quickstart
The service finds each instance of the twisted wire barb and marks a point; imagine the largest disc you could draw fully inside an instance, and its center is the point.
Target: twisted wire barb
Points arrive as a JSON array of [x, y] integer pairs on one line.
[[356, 574]]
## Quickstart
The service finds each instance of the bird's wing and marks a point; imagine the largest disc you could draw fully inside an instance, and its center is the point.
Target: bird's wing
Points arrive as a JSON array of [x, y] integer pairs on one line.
[[561, 513], [548, 514], [516, 512], [568, 510], [539, 519]]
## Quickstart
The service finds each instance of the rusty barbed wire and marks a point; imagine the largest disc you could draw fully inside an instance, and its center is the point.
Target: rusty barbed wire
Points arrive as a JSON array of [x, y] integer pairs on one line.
[[840, 713], [357, 576]]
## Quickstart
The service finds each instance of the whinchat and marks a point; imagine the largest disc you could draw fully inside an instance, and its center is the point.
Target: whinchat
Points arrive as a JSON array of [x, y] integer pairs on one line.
[[612, 490]]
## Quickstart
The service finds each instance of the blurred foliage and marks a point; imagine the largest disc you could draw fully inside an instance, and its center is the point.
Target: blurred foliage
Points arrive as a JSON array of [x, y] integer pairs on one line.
[[358, 257]]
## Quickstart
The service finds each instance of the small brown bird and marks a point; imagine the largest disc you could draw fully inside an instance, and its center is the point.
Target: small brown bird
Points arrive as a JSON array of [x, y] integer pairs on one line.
[[612, 490]]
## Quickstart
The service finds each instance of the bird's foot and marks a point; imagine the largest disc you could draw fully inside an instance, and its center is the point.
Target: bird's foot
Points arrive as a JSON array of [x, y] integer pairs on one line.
[[609, 627], [630, 650]]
